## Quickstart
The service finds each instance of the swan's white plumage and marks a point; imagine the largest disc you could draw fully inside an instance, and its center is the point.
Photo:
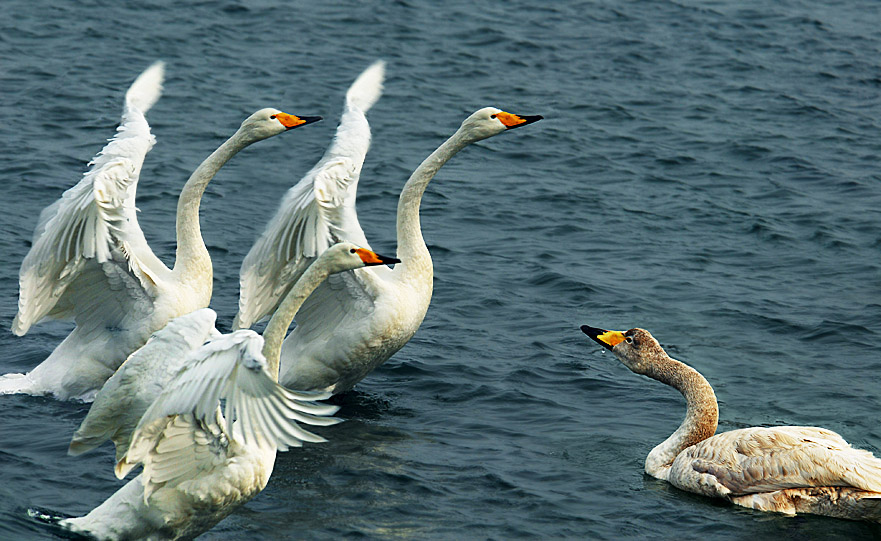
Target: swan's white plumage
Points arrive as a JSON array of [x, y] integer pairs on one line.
[[232, 368], [317, 212], [200, 462], [176, 434], [93, 220], [354, 321], [90, 261], [125, 397]]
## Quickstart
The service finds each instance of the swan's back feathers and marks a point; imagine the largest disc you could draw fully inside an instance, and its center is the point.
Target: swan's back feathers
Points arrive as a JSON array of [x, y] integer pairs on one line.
[[367, 88], [317, 212], [96, 219], [125, 397], [183, 431], [147, 88], [759, 459]]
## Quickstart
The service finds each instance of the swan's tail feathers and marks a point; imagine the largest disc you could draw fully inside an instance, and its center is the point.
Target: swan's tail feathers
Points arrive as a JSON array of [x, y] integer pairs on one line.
[[147, 88], [16, 384], [367, 88]]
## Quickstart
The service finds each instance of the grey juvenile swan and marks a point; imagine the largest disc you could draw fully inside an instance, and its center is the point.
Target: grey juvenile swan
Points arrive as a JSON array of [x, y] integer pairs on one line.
[[787, 469]]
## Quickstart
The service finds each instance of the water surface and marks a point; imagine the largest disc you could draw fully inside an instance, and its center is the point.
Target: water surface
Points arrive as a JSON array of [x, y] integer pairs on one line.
[[705, 170]]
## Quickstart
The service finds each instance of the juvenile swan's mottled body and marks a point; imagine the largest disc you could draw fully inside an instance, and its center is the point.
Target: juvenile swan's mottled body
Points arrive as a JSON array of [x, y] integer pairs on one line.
[[356, 320], [788, 469], [90, 262], [201, 463]]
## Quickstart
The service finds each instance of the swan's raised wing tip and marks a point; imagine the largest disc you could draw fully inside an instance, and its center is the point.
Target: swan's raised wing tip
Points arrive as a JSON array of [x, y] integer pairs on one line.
[[367, 88], [147, 88]]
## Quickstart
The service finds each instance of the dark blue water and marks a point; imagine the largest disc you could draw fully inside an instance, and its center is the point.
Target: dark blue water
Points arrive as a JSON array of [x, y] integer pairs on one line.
[[706, 170]]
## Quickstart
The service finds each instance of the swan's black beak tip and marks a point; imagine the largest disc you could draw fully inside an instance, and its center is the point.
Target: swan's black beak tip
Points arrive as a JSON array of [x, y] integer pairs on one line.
[[593, 332], [310, 119], [372, 259], [607, 339]]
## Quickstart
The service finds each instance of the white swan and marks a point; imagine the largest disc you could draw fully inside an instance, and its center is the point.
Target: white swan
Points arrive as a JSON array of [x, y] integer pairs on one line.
[[787, 469], [201, 463], [357, 320], [91, 263]]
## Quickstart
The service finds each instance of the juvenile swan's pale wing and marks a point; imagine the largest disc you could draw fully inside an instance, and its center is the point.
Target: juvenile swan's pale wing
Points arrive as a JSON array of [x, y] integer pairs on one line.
[[95, 221], [316, 213], [125, 397], [753, 460], [183, 432]]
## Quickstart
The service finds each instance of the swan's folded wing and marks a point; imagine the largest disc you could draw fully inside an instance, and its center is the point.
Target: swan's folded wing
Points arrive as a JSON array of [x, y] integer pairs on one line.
[[342, 300], [317, 212], [95, 220], [774, 458], [125, 397]]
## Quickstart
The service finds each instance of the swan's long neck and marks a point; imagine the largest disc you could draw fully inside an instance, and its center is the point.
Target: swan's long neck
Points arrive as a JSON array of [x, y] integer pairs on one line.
[[192, 261], [411, 246], [277, 328], [701, 418]]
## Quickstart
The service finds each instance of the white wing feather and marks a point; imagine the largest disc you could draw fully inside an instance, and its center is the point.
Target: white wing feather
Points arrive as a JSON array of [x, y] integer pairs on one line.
[[341, 300], [316, 213], [183, 431], [125, 397], [94, 220]]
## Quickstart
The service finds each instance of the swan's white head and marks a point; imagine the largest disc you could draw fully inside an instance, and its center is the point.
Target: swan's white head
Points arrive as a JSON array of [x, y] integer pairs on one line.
[[345, 256], [637, 349], [268, 122], [490, 121]]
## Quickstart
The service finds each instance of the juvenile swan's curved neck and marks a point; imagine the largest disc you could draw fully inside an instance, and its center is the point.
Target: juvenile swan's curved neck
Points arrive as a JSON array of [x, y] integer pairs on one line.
[[411, 246], [701, 418], [277, 328], [192, 257]]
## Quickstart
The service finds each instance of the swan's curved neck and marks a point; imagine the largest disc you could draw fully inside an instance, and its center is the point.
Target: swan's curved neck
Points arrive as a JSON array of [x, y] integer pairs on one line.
[[701, 418], [192, 259], [277, 328], [411, 246]]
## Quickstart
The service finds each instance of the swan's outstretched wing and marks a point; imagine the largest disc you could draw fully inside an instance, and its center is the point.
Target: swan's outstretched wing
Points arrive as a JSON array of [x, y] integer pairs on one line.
[[316, 213], [754, 460], [125, 397], [183, 431], [95, 223]]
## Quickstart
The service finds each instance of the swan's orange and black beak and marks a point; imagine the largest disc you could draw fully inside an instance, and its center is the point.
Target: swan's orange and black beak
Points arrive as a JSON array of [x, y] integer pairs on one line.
[[512, 121], [607, 339], [291, 121], [372, 258]]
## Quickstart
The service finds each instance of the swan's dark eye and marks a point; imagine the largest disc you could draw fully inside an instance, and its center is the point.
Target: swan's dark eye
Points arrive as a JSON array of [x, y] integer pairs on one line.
[[492, 116], [629, 339], [273, 117], [352, 251]]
